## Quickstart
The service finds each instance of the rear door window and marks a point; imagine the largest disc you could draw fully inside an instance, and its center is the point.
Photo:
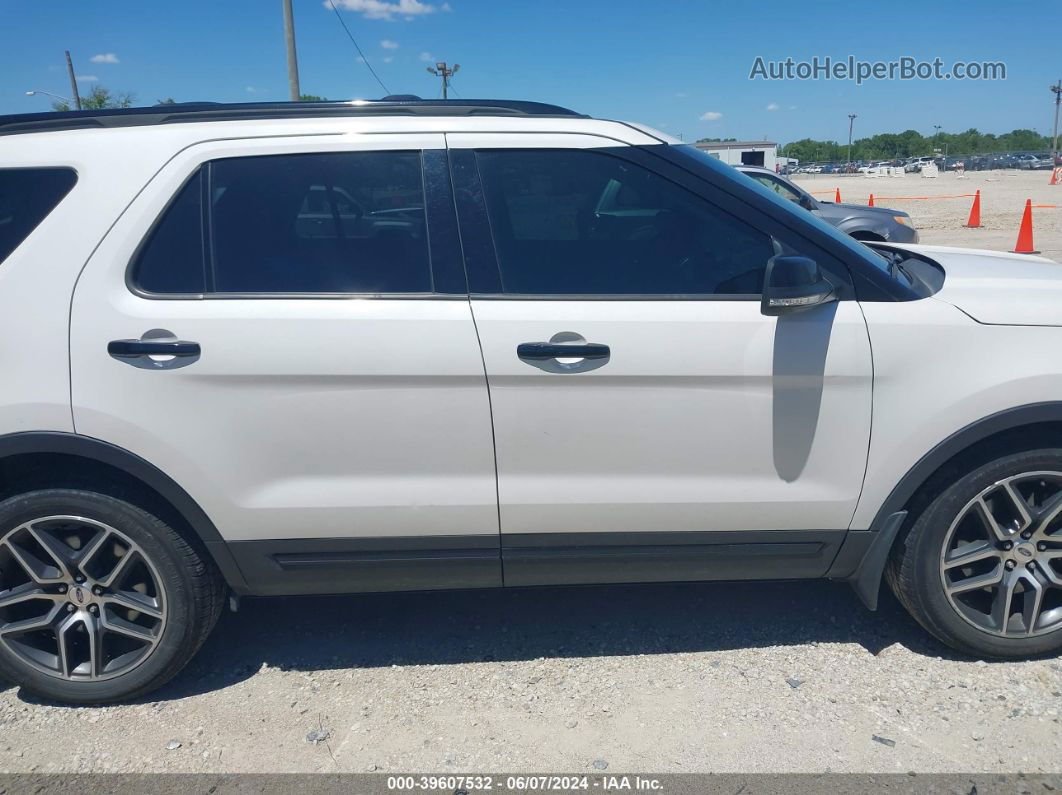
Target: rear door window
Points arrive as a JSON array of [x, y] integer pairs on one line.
[[27, 195], [350, 222]]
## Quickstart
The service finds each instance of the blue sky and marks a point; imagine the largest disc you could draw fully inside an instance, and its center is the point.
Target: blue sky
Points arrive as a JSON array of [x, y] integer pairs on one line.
[[682, 65]]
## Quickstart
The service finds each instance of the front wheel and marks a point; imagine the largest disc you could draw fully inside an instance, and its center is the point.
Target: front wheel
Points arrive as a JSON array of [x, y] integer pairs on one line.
[[100, 601], [982, 566]]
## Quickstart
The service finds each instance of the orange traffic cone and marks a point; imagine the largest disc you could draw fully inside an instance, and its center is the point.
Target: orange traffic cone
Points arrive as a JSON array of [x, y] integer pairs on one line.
[[975, 213], [871, 202], [837, 195], [1025, 237], [1054, 176]]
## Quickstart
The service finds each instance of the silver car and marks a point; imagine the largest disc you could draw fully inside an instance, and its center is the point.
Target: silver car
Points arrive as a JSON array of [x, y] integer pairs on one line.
[[860, 221]]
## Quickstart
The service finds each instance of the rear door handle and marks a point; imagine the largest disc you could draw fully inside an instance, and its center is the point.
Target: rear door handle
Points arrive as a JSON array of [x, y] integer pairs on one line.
[[132, 349], [543, 351]]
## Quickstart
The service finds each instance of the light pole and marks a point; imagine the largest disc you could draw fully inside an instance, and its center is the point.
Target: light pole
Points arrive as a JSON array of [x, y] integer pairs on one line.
[[73, 81], [936, 135], [293, 60], [851, 121], [1057, 90], [441, 70], [34, 93]]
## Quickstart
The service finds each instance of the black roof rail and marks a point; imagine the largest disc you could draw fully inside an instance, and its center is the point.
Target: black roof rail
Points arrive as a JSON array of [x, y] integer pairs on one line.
[[396, 105]]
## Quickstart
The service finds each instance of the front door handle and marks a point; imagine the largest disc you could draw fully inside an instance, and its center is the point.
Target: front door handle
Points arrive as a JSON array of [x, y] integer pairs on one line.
[[132, 349], [543, 351]]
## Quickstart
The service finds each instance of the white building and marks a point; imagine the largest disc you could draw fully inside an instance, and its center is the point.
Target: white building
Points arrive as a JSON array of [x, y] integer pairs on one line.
[[749, 153]]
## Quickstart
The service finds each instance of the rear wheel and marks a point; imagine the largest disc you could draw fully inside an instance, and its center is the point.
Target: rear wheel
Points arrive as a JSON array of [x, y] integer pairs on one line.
[[982, 566], [99, 600]]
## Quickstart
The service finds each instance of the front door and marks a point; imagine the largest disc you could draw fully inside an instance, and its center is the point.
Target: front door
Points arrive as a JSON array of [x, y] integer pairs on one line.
[[649, 422]]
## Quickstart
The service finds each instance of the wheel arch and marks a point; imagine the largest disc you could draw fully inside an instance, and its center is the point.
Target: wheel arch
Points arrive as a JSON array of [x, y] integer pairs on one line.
[[52, 459], [862, 559]]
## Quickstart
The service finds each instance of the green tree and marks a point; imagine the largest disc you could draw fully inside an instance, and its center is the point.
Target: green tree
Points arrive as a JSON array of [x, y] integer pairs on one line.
[[100, 98], [911, 143]]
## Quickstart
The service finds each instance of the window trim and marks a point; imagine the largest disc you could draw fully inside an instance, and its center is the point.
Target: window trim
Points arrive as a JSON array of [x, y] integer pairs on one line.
[[441, 237], [476, 224]]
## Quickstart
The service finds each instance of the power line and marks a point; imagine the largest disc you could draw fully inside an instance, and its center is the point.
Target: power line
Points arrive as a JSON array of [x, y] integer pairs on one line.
[[364, 60]]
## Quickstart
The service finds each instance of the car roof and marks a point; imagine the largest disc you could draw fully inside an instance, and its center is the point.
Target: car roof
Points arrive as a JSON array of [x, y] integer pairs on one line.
[[399, 105]]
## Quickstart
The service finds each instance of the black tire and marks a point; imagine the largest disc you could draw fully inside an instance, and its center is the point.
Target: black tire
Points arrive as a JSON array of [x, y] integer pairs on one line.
[[194, 595], [914, 570]]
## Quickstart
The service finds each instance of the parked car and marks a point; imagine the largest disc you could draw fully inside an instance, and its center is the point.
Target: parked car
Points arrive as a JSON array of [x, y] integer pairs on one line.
[[858, 220], [915, 164], [211, 390]]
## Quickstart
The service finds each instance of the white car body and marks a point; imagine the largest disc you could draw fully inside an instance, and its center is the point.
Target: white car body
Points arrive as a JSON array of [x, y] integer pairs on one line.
[[310, 418]]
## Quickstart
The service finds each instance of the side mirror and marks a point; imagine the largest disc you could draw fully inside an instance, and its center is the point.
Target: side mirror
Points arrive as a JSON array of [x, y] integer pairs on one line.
[[793, 284], [807, 202]]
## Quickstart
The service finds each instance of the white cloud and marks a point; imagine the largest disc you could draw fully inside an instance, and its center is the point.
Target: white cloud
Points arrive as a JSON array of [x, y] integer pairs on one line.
[[387, 9], [388, 59], [87, 78], [104, 57], [773, 106], [681, 94], [427, 57], [711, 115], [387, 44]]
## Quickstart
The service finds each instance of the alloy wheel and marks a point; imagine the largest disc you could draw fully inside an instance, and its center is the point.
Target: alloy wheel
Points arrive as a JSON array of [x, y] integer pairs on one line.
[[79, 600], [1001, 564]]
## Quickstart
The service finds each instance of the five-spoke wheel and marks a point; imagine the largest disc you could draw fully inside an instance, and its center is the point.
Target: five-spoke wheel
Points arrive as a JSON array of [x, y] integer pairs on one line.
[[78, 599], [100, 599], [981, 566], [1001, 563]]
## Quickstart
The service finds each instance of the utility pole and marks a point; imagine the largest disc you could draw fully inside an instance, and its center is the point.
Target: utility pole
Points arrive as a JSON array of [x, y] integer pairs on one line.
[[851, 121], [440, 70], [293, 61], [73, 81], [1057, 89]]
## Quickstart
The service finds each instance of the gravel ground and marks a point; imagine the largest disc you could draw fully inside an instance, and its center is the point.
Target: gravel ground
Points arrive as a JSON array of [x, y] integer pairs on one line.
[[662, 678], [941, 221]]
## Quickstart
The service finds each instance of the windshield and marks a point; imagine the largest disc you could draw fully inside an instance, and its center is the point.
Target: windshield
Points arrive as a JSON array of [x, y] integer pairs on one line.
[[801, 215]]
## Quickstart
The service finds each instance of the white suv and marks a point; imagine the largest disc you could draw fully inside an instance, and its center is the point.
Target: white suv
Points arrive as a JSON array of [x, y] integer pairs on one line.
[[336, 347]]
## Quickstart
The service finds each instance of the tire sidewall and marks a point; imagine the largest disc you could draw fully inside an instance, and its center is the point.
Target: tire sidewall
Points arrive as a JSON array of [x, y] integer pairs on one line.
[[144, 529]]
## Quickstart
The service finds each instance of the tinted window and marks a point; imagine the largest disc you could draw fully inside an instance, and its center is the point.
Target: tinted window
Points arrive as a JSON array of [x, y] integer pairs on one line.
[[581, 222], [27, 195], [777, 185], [320, 223], [171, 260]]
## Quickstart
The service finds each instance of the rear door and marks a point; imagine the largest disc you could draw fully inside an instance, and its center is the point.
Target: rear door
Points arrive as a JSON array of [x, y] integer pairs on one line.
[[283, 328], [650, 422]]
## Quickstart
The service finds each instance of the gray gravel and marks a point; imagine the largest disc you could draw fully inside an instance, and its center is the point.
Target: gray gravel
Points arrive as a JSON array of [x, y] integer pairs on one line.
[[683, 678]]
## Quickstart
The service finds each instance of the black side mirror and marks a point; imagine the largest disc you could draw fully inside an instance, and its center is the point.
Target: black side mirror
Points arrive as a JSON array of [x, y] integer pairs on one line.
[[807, 202], [793, 284]]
